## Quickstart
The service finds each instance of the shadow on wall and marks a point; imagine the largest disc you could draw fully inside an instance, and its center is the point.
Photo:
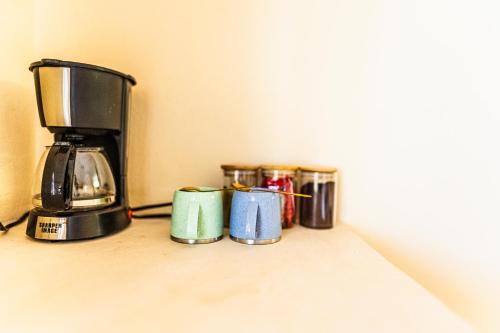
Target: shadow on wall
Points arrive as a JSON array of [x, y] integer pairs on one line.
[[16, 149], [138, 125]]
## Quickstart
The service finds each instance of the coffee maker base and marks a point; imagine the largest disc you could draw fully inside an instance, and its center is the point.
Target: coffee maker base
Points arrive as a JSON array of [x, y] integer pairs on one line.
[[44, 225]]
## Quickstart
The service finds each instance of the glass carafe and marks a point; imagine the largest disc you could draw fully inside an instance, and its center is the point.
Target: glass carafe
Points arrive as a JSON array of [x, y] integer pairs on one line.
[[88, 180]]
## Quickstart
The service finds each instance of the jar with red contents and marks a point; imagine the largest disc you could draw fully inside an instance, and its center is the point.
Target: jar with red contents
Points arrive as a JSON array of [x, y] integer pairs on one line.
[[282, 178]]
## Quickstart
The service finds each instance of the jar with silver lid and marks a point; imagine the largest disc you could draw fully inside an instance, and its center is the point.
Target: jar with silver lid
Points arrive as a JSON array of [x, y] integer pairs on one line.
[[320, 211], [236, 173], [282, 178]]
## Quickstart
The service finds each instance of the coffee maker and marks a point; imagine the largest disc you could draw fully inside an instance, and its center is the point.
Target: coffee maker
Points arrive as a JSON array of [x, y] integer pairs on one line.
[[80, 188]]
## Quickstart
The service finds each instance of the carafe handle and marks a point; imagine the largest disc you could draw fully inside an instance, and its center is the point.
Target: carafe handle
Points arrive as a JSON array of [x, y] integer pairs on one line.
[[58, 177]]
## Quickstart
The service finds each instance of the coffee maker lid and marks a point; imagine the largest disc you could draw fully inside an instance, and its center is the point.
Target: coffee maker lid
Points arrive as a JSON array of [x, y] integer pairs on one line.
[[61, 63]]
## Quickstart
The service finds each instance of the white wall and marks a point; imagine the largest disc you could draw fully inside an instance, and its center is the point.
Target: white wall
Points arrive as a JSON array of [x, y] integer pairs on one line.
[[17, 119], [428, 189], [400, 95]]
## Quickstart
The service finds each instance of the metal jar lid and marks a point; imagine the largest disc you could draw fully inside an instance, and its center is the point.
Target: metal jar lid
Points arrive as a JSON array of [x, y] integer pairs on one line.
[[318, 169], [232, 167], [280, 167]]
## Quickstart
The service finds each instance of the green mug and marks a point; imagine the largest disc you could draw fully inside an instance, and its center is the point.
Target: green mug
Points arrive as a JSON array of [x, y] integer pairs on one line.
[[197, 217]]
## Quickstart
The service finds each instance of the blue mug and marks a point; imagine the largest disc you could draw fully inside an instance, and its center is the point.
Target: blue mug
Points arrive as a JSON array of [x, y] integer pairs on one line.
[[255, 218]]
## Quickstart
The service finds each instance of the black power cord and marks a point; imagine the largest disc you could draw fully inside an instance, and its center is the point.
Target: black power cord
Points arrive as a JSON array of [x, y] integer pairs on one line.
[[151, 216], [144, 207], [5, 228], [152, 206]]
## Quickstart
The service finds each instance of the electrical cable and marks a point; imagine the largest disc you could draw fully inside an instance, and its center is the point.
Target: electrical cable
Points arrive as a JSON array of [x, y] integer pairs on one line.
[[148, 207], [20, 220], [144, 207], [151, 216]]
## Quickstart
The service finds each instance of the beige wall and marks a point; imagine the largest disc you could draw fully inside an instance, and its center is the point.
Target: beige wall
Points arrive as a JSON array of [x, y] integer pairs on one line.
[[17, 119], [400, 95], [427, 189]]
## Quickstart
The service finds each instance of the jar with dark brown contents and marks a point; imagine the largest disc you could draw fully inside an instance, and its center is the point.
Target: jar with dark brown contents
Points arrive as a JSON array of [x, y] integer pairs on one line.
[[282, 178], [243, 174], [318, 212]]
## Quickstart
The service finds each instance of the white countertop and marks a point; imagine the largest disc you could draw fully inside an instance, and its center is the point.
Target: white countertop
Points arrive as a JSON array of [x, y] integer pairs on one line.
[[138, 280]]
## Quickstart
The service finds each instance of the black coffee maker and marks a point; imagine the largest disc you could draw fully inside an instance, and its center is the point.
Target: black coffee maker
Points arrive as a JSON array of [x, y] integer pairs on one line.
[[80, 188]]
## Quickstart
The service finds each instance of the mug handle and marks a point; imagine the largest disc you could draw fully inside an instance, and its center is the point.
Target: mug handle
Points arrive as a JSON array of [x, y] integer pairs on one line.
[[192, 220], [251, 223]]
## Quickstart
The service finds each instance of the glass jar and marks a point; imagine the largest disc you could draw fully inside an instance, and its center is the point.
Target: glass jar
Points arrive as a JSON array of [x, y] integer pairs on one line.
[[282, 178], [243, 174], [318, 212]]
